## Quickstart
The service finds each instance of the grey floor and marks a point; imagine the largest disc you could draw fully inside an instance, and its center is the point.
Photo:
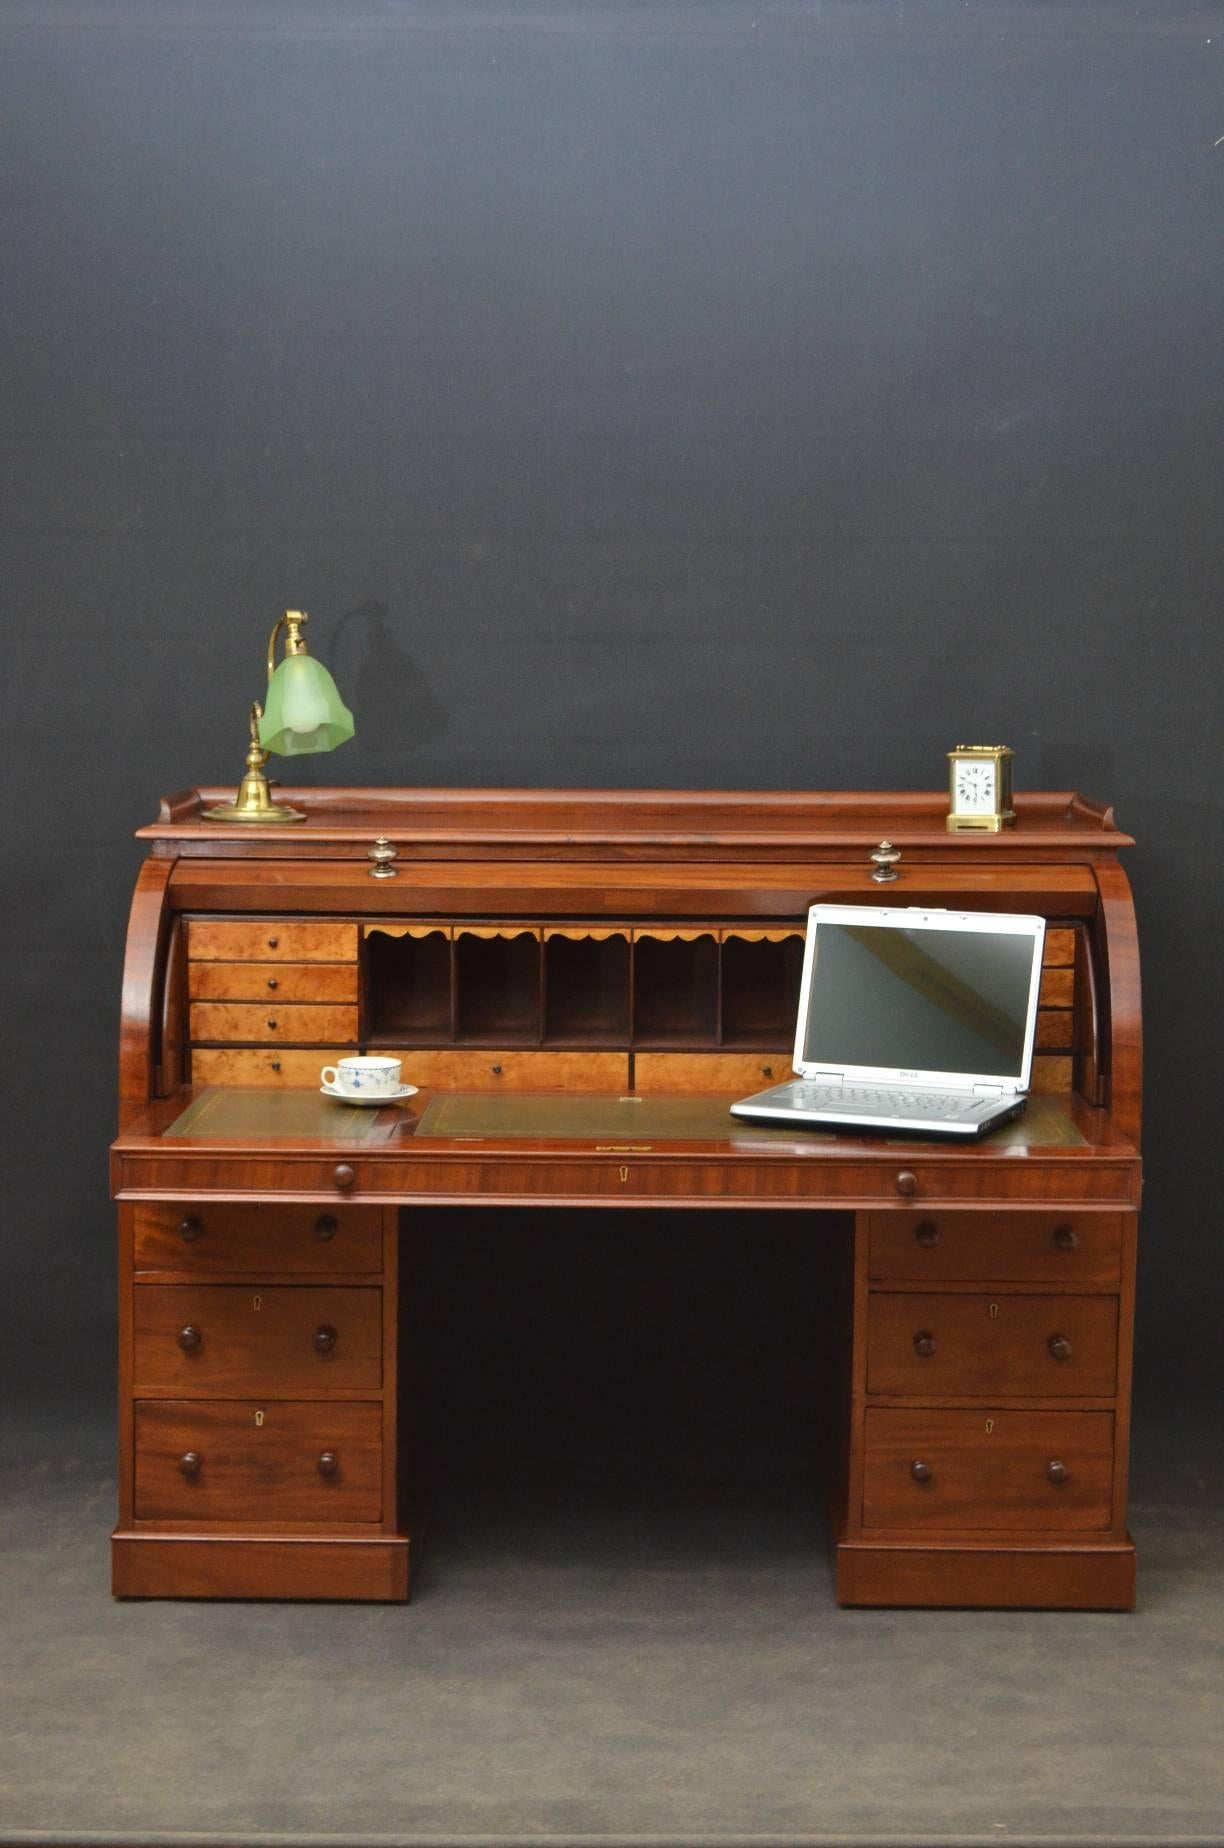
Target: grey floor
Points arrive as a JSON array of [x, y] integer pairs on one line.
[[671, 1672]]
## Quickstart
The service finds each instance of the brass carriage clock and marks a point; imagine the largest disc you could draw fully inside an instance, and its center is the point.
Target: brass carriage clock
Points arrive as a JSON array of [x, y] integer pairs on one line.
[[980, 788]]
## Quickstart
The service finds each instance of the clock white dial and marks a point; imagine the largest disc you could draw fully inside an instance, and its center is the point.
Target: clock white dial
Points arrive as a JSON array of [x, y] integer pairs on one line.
[[975, 788]]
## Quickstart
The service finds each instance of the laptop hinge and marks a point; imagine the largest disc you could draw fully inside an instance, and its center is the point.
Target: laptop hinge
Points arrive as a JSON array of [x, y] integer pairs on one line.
[[988, 1090], [821, 1073]]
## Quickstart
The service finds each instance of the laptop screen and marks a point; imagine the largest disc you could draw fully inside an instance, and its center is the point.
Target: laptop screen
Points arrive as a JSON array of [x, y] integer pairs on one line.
[[953, 1001]]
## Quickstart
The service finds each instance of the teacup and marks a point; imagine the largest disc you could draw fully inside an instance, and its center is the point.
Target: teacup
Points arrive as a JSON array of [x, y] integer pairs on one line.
[[368, 1075]]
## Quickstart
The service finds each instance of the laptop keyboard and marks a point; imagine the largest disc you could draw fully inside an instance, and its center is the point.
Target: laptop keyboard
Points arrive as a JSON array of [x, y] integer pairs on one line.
[[879, 1102]]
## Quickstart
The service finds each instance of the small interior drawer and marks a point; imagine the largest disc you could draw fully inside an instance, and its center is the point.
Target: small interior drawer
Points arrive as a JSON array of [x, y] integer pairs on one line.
[[253, 1022], [218, 1236], [723, 1074], [271, 940], [238, 1461], [268, 982]]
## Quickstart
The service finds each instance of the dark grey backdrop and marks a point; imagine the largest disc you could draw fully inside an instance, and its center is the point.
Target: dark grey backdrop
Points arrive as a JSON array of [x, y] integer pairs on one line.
[[634, 393]]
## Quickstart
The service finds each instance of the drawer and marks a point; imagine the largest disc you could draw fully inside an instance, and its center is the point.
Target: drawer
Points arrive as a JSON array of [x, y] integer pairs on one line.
[[726, 1074], [961, 1346], [271, 940], [1025, 1472], [216, 1236], [207, 1340], [982, 1247], [272, 1067], [240, 1461], [268, 1020], [248, 981], [466, 1070]]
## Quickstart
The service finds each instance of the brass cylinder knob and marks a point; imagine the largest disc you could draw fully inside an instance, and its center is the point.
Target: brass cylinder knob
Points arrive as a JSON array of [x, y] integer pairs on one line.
[[884, 862], [383, 854], [907, 1182], [328, 1463], [927, 1233], [189, 1462], [343, 1176], [326, 1227], [189, 1339], [190, 1229], [1057, 1472], [924, 1343], [920, 1471], [1060, 1347], [324, 1338]]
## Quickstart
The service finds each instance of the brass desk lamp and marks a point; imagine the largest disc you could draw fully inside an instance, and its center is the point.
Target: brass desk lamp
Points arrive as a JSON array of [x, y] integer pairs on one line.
[[302, 713]]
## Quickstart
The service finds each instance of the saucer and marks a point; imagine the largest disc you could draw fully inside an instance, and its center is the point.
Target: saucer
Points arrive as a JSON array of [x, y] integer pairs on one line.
[[388, 1097]]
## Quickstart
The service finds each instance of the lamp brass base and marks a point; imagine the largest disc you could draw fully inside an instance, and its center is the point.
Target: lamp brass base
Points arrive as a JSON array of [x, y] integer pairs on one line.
[[254, 799], [238, 811]]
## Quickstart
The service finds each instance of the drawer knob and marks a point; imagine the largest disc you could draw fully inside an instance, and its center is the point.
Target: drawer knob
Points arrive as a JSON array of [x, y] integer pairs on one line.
[[343, 1176], [1065, 1238], [189, 1339], [924, 1343], [326, 1227], [884, 860], [272, 982], [189, 1462], [190, 1229], [272, 1025], [328, 1463], [1060, 1347], [907, 1182], [496, 1070], [927, 1233], [324, 1338], [1057, 1472], [273, 943], [276, 1065], [920, 1471]]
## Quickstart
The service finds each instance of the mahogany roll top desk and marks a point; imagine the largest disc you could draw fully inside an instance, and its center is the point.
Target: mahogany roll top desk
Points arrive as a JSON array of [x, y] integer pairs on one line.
[[581, 983]]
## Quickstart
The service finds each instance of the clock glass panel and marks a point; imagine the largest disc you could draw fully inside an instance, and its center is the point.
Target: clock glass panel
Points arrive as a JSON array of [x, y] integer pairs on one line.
[[974, 784]]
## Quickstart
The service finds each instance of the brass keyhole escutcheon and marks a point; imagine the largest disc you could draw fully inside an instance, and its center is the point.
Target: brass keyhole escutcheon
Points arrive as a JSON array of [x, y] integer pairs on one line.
[[994, 1312], [257, 1303], [259, 1418], [989, 1426], [624, 1174]]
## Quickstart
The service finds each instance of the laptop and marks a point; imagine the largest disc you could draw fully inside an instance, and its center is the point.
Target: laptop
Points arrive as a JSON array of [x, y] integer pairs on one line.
[[914, 1019]]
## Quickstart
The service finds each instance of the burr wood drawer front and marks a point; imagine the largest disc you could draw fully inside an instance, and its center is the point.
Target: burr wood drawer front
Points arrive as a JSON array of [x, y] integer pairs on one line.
[[270, 940], [963, 1346], [252, 1022], [464, 1070], [1037, 1472], [219, 1236], [1002, 1247], [245, 1460], [200, 1340], [269, 1066], [729, 1074], [268, 982]]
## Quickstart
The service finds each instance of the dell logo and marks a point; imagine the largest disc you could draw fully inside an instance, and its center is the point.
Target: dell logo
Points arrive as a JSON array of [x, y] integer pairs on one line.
[[909, 1074]]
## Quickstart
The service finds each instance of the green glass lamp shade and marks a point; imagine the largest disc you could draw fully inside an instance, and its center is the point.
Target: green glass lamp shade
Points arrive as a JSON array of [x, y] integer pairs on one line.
[[303, 711]]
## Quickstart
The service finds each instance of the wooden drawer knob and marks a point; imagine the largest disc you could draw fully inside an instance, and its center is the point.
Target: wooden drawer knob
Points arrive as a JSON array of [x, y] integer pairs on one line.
[[1057, 1472], [343, 1176], [189, 1339], [907, 1182], [326, 1227], [927, 1233], [924, 1343], [496, 1070], [1065, 1238], [324, 1339], [189, 1463], [273, 943], [276, 1065], [272, 982], [272, 1026], [920, 1471], [190, 1229], [328, 1463], [1060, 1347]]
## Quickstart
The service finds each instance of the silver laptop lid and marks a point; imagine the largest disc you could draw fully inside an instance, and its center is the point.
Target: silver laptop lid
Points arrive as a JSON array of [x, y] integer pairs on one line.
[[919, 995]]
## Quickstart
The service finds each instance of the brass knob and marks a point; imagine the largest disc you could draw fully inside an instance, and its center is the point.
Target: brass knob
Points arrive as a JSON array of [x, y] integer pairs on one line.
[[383, 855], [884, 862], [1065, 1238], [343, 1176], [276, 1065], [924, 1343], [272, 1025], [190, 1229], [920, 1471], [1057, 1472], [907, 1182], [328, 1463], [326, 1227], [1060, 1347], [189, 1462], [189, 1339], [273, 943], [272, 982], [324, 1338], [927, 1233]]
